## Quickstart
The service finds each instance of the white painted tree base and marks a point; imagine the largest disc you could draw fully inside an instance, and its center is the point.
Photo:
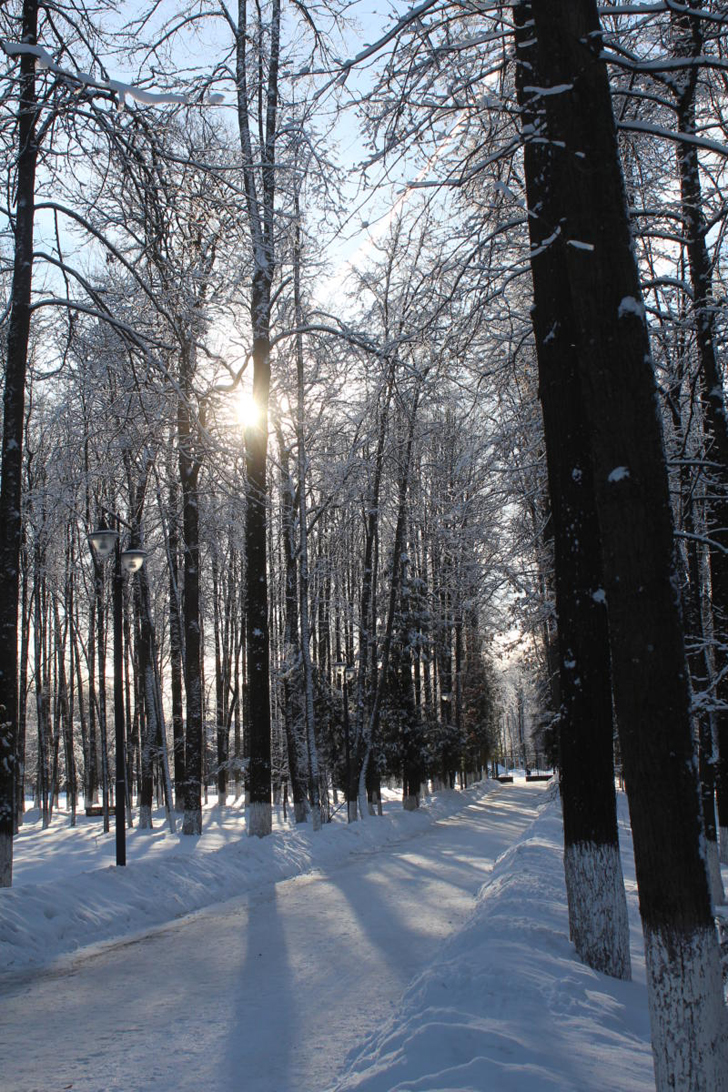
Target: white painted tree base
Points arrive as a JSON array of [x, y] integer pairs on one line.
[[259, 820], [6, 860], [717, 894], [598, 922], [192, 821], [316, 818], [410, 803], [352, 811], [688, 1017], [145, 817], [723, 843], [300, 811]]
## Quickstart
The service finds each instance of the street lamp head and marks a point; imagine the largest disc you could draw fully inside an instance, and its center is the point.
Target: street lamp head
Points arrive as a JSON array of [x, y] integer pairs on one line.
[[103, 542], [132, 560]]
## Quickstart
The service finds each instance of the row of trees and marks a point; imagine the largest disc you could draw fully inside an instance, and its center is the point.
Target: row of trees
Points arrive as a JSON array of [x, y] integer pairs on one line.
[[129, 411], [342, 562]]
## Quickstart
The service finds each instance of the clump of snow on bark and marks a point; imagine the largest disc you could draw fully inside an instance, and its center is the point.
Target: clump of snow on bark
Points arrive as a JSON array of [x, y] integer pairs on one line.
[[619, 474], [630, 306]]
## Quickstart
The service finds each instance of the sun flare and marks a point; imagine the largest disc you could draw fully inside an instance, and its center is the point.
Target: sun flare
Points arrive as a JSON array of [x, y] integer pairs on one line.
[[247, 411]]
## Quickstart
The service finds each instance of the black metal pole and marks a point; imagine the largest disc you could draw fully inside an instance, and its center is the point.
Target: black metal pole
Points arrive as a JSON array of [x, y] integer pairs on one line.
[[119, 713]]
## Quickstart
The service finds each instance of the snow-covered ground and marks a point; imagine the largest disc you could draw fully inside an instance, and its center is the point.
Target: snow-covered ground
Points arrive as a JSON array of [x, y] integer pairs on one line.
[[68, 893], [506, 1005], [296, 981]]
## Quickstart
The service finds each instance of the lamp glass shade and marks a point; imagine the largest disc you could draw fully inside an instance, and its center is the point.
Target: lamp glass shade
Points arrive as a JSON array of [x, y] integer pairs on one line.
[[103, 542], [132, 560]]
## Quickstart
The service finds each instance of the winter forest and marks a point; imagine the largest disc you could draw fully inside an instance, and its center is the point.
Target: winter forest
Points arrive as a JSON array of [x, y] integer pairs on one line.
[[364, 459]]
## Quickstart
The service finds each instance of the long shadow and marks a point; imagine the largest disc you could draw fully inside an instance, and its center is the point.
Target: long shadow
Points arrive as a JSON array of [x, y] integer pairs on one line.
[[431, 892], [258, 1051]]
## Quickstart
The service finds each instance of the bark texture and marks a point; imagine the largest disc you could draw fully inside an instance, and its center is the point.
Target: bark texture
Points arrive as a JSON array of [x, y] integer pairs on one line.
[[650, 683], [592, 862], [12, 440]]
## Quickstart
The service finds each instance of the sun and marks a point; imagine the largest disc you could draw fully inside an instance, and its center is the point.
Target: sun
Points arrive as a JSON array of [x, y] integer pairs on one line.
[[247, 410]]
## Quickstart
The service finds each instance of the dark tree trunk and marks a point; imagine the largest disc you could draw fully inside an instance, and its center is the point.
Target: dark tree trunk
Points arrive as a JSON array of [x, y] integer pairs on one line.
[[293, 711], [700, 665], [42, 688], [149, 727], [25, 612], [649, 672], [369, 776], [221, 685], [12, 439], [598, 921], [92, 788], [64, 714], [175, 654], [256, 574], [367, 636], [189, 474], [689, 43], [100, 648]]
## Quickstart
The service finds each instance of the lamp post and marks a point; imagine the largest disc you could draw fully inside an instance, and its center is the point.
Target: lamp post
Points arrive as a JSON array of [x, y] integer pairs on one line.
[[105, 542], [351, 804]]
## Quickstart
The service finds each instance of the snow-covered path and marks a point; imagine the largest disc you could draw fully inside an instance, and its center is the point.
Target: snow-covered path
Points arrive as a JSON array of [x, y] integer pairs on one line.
[[267, 992]]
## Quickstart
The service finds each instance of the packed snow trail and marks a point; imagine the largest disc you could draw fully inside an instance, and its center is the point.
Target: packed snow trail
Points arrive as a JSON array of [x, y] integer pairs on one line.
[[264, 993]]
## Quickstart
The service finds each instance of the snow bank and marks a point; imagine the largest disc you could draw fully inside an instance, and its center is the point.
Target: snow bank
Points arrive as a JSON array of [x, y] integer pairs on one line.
[[507, 1005], [67, 896]]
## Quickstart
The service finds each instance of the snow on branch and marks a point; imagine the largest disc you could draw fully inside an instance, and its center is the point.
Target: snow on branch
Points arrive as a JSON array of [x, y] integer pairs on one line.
[[670, 134], [660, 8], [122, 90]]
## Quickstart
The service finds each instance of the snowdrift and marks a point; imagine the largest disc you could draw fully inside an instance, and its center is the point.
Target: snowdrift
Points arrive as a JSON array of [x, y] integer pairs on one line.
[[507, 1006]]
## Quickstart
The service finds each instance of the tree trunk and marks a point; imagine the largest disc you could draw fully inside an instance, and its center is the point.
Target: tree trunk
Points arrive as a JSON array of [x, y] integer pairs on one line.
[[649, 671], [221, 686], [293, 712], [25, 613], [256, 574], [312, 750], [689, 43], [598, 922], [100, 648], [149, 727], [189, 474], [176, 653], [12, 438]]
